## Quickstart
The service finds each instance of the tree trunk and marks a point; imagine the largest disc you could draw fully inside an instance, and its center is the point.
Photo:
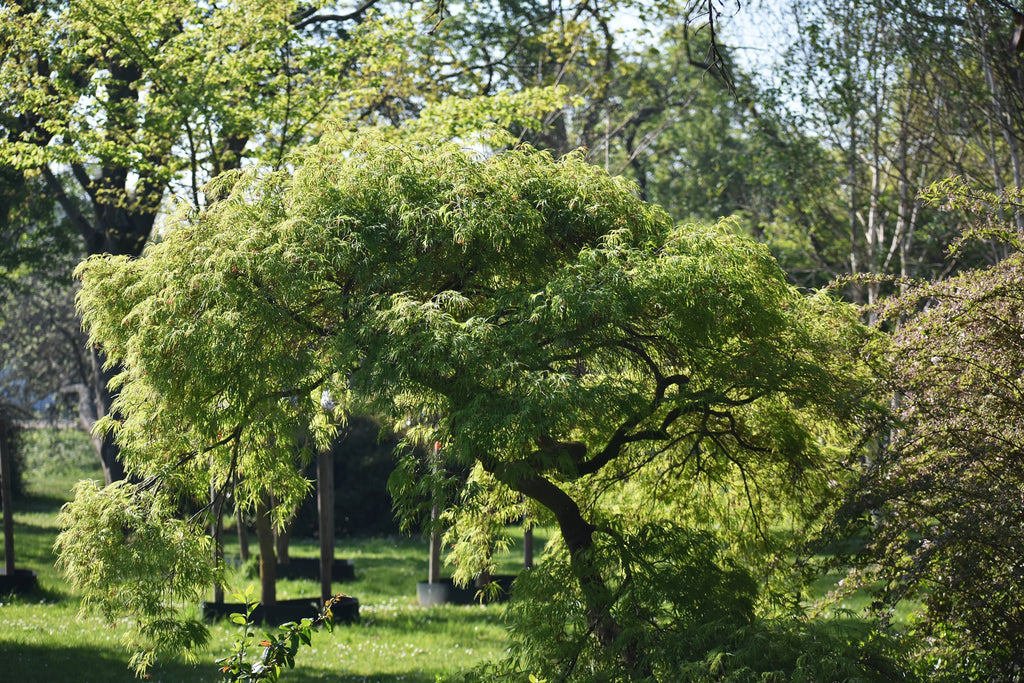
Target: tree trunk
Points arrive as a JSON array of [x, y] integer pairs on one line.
[[241, 528], [434, 558], [243, 536], [94, 402], [528, 547], [268, 560], [282, 539], [91, 407], [578, 535], [217, 533], [120, 231], [325, 504]]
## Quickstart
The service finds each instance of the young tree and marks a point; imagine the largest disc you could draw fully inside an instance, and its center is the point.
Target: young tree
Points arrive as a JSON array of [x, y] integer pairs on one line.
[[569, 340]]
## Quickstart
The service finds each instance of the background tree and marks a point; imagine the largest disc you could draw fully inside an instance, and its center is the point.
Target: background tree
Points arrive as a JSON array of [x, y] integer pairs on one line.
[[115, 108], [671, 123], [570, 339], [42, 345], [873, 101], [139, 101], [650, 82]]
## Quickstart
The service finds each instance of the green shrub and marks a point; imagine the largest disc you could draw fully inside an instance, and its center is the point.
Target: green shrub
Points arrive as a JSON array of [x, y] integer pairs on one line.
[[687, 614]]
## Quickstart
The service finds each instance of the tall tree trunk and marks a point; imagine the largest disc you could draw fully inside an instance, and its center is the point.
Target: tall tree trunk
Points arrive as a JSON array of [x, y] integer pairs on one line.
[[217, 533], [527, 545], [112, 229], [282, 541], [6, 496], [109, 451], [241, 528], [243, 535], [434, 553]]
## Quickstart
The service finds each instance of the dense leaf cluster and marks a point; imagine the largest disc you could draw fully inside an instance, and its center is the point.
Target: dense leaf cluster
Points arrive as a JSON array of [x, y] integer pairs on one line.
[[130, 553], [694, 610]]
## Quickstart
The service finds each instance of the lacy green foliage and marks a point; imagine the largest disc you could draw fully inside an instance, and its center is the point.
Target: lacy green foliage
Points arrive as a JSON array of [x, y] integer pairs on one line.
[[123, 548], [277, 293], [530, 315], [416, 483], [279, 649], [944, 497], [671, 592], [243, 333], [477, 525], [453, 117], [796, 649], [688, 612]]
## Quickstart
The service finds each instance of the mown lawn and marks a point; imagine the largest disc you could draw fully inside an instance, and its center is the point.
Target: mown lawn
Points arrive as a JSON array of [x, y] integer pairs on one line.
[[44, 637]]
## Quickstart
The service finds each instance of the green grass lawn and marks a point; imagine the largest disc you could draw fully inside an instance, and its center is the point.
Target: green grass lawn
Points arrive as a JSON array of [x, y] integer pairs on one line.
[[43, 637]]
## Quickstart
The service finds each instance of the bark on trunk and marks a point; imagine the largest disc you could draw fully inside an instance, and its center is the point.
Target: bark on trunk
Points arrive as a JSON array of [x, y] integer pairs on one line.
[[282, 539], [241, 527], [268, 560], [217, 533], [528, 547], [578, 535], [110, 453], [434, 553], [5, 494], [243, 536], [111, 229]]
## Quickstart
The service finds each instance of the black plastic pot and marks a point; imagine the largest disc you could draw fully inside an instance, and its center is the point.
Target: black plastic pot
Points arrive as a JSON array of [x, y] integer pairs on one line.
[[21, 581], [345, 611], [445, 592], [309, 568]]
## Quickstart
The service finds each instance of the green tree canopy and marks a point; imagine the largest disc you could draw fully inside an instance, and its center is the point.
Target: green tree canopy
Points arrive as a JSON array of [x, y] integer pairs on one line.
[[564, 337], [871, 101]]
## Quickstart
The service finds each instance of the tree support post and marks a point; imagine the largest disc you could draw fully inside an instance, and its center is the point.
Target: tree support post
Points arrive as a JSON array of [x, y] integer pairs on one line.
[[268, 560], [434, 561], [217, 532], [5, 480]]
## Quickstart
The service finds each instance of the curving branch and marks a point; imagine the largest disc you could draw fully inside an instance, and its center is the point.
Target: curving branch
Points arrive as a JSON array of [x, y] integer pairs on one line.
[[306, 18]]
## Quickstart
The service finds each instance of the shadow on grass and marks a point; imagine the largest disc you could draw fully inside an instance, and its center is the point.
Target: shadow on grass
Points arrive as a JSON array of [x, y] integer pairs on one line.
[[34, 542], [36, 664], [300, 676], [33, 546], [48, 502], [31, 663], [42, 594]]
